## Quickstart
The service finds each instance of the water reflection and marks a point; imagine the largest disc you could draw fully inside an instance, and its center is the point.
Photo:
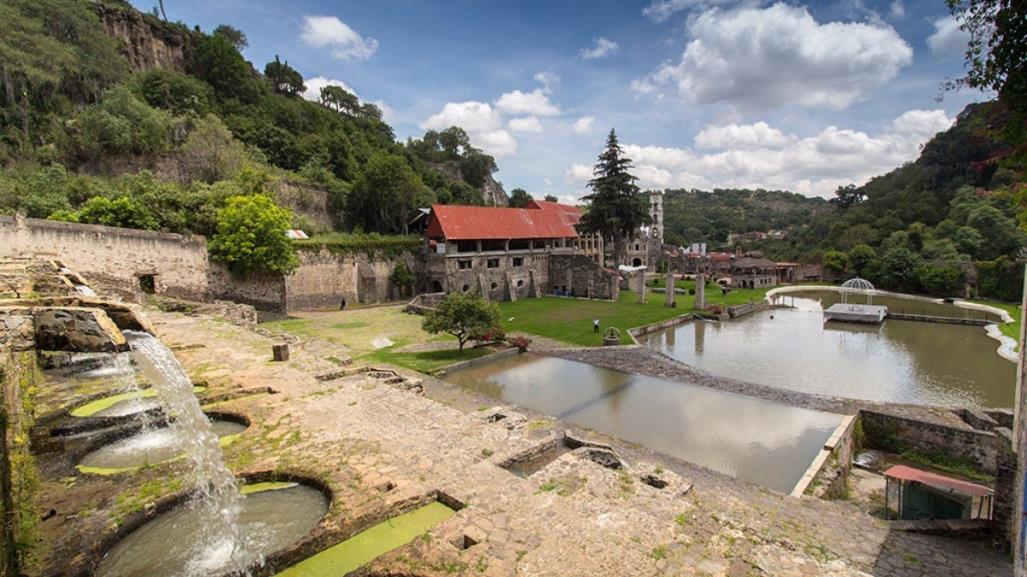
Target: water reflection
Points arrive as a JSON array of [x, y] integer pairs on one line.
[[752, 439], [898, 361]]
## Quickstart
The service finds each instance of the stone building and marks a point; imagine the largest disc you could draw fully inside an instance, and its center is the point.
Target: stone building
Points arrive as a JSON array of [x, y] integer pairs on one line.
[[512, 253]]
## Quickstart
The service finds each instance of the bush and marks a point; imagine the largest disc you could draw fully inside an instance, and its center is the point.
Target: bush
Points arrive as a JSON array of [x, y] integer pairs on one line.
[[940, 280], [466, 316], [122, 212], [521, 342], [251, 237], [121, 124], [1000, 279]]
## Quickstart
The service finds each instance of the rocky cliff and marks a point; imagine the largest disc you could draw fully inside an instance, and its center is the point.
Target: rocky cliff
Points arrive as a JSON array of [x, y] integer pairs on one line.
[[145, 40]]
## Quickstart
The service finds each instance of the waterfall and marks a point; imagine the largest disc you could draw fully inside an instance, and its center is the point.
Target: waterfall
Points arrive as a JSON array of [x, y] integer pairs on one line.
[[220, 548]]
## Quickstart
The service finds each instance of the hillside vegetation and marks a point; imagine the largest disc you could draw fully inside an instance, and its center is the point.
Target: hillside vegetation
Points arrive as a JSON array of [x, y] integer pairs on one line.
[[86, 137]]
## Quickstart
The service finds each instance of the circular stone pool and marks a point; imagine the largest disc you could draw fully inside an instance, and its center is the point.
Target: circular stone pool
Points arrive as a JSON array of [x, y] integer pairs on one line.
[[273, 516], [898, 361], [149, 447]]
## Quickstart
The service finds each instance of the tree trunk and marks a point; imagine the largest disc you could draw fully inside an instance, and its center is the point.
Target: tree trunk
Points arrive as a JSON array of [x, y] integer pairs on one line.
[[618, 248]]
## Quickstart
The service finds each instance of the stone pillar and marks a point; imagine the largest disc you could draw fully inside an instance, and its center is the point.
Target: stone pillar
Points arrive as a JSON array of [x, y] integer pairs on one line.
[[700, 292], [669, 302], [640, 286]]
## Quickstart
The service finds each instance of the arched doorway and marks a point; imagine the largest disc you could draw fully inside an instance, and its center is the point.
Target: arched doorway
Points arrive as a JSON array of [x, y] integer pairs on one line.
[[636, 262], [436, 287]]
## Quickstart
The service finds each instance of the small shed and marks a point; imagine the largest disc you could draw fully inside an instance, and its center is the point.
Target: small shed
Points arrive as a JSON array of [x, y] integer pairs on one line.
[[924, 495]]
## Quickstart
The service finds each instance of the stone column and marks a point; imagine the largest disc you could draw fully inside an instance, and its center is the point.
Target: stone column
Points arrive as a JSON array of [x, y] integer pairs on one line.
[[669, 302], [700, 292], [640, 286]]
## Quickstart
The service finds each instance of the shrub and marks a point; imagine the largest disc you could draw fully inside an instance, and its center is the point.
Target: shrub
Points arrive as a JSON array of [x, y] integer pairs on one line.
[[122, 212], [521, 342], [939, 280], [251, 237]]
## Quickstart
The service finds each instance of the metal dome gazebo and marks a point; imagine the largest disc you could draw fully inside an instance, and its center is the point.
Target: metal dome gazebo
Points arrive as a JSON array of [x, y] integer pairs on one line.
[[858, 285]]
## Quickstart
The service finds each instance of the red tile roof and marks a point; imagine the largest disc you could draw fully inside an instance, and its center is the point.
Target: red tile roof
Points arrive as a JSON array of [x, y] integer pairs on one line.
[[540, 220], [935, 480]]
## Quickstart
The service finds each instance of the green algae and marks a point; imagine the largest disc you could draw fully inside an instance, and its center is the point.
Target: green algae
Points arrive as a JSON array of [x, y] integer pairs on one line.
[[93, 407], [365, 547], [251, 488]]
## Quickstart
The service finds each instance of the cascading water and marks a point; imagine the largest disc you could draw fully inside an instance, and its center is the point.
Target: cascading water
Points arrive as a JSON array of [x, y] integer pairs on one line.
[[221, 547]]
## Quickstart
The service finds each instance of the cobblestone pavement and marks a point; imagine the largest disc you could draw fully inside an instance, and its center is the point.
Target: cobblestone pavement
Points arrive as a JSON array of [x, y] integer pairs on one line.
[[573, 517], [913, 555]]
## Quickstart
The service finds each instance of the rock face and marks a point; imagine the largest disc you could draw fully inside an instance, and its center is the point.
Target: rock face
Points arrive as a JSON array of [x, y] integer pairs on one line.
[[493, 192], [145, 41], [77, 329]]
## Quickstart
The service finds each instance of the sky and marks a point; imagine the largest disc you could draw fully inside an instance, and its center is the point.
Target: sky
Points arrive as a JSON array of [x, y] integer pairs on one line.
[[702, 93]]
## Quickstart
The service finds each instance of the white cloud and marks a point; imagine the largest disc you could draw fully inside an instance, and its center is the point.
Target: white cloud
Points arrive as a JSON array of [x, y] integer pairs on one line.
[[578, 172], [341, 41], [766, 57], [897, 9], [547, 79], [947, 40], [813, 165], [740, 136], [547, 181], [583, 124], [535, 103], [526, 124], [660, 10], [315, 84], [483, 125], [602, 49]]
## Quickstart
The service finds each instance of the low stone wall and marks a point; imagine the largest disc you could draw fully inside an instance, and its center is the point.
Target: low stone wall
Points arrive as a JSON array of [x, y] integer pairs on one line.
[[828, 475], [478, 361], [325, 279], [741, 310], [644, 330]]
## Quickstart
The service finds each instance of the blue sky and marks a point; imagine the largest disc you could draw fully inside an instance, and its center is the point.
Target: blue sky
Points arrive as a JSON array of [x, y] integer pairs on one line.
[[703, 93]]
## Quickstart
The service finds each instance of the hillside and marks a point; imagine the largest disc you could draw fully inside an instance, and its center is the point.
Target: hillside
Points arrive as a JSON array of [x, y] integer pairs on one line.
[[700, 216], [100, 100]]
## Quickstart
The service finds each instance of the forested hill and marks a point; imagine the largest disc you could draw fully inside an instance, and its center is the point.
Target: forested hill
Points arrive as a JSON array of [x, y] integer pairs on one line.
[[112, 116], [963, 200], [701, 216]]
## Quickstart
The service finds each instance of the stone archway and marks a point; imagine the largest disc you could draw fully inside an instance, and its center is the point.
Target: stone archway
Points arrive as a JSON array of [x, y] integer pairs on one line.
[[636, 262]]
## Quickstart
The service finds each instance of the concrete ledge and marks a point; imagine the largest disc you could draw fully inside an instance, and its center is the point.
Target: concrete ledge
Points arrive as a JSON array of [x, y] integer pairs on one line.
[[478, 361], [646, 329], [840, 432]]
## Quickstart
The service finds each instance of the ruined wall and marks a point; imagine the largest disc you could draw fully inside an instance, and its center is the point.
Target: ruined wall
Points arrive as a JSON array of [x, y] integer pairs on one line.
[[582, 277], [263, 291], [324, 278], [502, 282], [114, 256]]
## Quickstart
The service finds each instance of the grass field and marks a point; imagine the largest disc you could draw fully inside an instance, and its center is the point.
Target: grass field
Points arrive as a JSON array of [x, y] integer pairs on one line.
[[357, 330], [1011, 330], [570, 320]]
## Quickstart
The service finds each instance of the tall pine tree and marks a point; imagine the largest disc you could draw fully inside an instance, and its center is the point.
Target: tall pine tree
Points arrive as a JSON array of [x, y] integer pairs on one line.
[[616, 205]]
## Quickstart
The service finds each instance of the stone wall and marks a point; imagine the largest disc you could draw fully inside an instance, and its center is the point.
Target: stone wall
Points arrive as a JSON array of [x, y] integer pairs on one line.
[[505, 281], [114, 256], [324, 279], [19, 483], [896, 434], [262, 291], [582, 277], [307, 201]]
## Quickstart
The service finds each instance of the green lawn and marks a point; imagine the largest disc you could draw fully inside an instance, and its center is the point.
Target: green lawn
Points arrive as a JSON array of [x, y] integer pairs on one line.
[[1011, 330], [570, 320], [357, 329]]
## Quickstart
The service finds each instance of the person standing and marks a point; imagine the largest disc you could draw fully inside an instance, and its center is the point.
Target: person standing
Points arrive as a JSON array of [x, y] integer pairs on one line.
[[595, 325]]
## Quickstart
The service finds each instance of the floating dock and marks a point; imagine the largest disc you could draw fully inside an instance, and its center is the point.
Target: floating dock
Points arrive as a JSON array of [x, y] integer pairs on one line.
[[856, 313]]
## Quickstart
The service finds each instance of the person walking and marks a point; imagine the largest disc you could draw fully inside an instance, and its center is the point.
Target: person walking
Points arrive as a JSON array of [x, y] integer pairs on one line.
[[595, 325]]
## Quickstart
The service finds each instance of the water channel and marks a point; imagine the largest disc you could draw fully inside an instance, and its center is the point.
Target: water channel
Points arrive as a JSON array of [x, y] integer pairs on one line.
[[897, 361], [745, 437]]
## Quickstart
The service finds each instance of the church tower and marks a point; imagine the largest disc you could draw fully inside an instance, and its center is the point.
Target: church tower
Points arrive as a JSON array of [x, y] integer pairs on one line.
[[656, 212]]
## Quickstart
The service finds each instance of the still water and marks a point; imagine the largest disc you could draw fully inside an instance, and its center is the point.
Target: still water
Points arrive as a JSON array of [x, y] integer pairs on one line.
[[748, 438], [171, 544], [897, 361]]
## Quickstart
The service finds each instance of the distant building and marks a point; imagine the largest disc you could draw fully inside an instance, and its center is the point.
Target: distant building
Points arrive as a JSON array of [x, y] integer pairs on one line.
[[513, 253]]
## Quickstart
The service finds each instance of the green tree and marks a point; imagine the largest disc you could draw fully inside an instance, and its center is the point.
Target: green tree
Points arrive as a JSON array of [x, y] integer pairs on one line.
[[519, 198], [402, 277], [174, 91], [122, 212], [121, 124], [616, 206], [251, 237], [233, 35], [216, 60], [834, 261], [284, 79], [383, 194], [551, 198], [898, 269], [861, 258], [466, 316], [210, 153], [939, 280], [338, 99]]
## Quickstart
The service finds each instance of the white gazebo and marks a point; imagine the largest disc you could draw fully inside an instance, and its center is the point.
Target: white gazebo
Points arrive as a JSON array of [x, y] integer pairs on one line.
[[849, 312]]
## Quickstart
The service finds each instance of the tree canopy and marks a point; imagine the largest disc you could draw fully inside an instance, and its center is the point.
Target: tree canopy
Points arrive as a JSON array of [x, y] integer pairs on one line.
[[466, 316], [251, 237]]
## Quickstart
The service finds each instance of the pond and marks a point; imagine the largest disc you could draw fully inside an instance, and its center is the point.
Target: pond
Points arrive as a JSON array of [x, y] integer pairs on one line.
[[897, 361], [745, 437]]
